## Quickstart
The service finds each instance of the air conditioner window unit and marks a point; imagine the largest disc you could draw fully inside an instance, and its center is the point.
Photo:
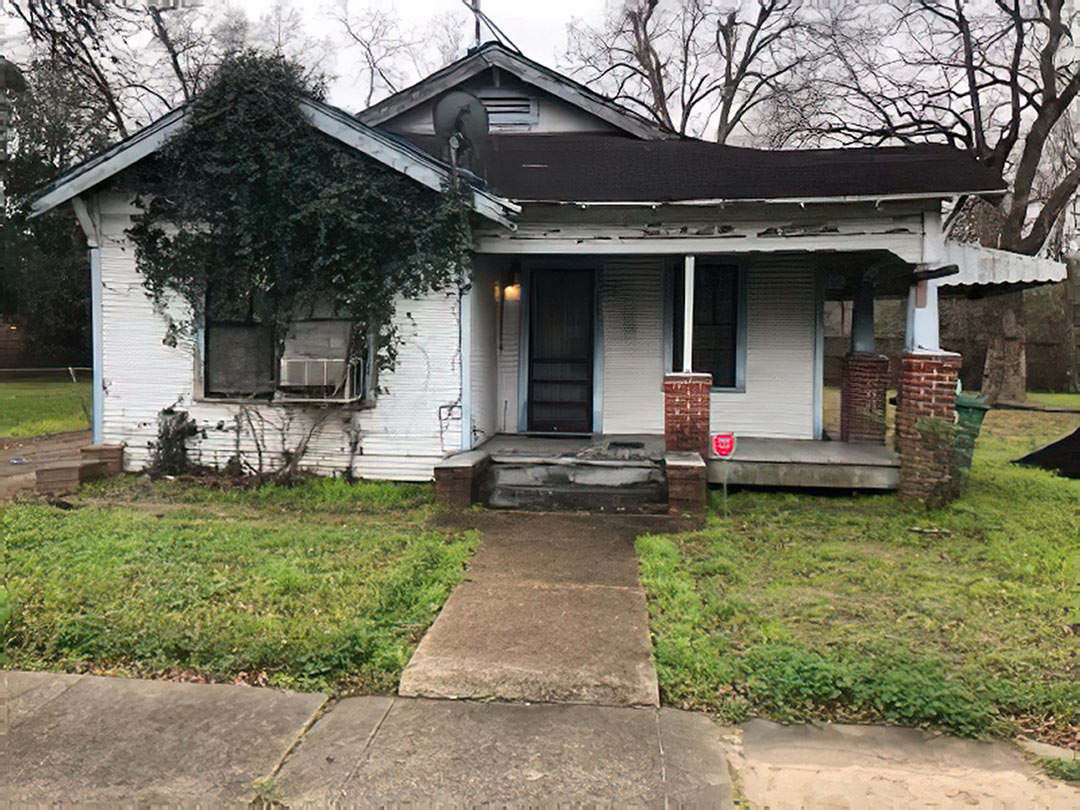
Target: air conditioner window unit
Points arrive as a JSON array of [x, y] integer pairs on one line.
[[312, 373]]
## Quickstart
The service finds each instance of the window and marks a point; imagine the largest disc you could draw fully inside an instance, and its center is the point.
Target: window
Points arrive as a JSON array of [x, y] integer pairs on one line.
[[239, 360], [316, 359], [717, 323]]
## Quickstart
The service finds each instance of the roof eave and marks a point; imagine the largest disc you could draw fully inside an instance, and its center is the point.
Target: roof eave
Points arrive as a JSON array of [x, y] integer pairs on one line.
[[722, 201], [113, 160], [329, 120]]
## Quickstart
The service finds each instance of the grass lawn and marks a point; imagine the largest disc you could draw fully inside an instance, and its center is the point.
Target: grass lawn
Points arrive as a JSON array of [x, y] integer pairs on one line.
[[1056, 400], [801, 607], [40, 407], [324, 585]]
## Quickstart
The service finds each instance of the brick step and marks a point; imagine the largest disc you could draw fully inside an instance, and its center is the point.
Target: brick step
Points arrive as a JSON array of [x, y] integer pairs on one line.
[[67, 476]]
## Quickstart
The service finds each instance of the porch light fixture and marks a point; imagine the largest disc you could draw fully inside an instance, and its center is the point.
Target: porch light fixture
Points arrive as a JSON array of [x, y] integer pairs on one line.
[[513, 292]]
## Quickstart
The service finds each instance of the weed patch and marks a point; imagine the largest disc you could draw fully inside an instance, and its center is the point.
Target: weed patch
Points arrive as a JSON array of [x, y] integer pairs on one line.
[[311, 587], [801, 607]]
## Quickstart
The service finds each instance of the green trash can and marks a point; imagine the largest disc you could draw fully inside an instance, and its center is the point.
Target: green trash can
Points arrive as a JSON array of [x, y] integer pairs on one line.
[[970, 411]]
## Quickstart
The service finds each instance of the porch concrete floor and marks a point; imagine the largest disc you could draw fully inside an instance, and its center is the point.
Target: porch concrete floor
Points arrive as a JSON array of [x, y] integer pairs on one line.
[[809, 451], [552, 612], [808, 463], [599, 446]]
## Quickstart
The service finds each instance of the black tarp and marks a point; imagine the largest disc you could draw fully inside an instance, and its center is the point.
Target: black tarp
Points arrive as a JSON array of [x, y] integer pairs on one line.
[[1062, 456]]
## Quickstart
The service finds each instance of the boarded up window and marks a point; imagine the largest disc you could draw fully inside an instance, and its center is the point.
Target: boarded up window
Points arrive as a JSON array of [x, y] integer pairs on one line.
[[239, 360], [716, 322]]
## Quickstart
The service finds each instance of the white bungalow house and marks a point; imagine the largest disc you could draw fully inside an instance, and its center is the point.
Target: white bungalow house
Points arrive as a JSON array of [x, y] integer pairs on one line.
[[609, 256]]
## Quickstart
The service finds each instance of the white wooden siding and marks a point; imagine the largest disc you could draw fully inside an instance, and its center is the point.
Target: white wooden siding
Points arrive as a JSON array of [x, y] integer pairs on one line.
[[632, 316], [780, 333], [484, 377], [415, 423]]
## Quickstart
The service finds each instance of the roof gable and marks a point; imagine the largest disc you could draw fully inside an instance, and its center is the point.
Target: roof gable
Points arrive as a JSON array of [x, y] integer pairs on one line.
[[335, 123], [550, 82]]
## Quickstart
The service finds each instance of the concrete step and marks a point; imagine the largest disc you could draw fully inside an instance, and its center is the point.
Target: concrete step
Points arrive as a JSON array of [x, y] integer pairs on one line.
[[549, 475], [550, 486], [650, 499]]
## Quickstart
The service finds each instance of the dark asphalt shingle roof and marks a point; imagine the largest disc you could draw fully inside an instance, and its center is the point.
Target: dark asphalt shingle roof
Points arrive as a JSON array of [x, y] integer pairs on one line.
[[620, 169]]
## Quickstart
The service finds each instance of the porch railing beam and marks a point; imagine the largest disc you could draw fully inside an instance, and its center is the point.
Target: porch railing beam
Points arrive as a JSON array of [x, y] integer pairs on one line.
[[688, 314]]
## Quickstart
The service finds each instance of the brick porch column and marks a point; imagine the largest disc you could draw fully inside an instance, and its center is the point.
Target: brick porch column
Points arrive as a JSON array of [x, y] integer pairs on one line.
[[927, 400], [686, 412], [862, 397]]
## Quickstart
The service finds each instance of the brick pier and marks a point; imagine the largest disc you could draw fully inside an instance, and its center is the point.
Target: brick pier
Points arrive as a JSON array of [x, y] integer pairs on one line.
[[686, 413], [862, 398], [926, 405]]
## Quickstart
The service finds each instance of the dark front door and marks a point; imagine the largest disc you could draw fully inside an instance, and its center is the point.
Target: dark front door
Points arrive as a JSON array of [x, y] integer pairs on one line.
[[561, 351]]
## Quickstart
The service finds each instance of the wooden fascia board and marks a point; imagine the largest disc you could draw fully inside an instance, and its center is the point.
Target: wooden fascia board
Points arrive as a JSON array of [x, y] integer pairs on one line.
[[114, 160], [552, 83], [410, 162], [328, 120], [424, 90], [603, 109]]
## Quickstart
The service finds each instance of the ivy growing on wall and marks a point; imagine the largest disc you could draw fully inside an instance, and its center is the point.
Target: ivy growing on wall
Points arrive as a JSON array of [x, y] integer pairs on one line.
[[256, 207]]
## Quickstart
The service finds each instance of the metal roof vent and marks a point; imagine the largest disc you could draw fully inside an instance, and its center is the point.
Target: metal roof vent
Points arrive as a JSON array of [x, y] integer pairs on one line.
[[508, 113]]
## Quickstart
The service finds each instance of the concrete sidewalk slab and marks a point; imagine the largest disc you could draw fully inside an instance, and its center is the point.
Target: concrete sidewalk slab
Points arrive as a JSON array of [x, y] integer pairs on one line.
[[538, 643], [457, 753], [562, 549], [875, 766], [696, 771], [552, 612], [472, 753], [93, 740], [329, 754], [80, 740]]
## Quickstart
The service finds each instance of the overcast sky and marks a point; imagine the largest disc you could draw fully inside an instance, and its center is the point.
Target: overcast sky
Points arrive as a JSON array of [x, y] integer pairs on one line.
[[537, 27]]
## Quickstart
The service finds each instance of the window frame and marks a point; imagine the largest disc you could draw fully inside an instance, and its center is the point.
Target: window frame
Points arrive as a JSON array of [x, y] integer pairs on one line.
[[675, 311], [364, 400]]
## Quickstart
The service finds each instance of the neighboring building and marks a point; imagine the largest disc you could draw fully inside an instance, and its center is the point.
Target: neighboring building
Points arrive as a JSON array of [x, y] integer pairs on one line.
[[606, 253]]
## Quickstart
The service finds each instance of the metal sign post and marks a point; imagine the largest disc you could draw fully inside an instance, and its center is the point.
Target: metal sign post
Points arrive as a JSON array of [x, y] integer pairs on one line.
[[723, 445]]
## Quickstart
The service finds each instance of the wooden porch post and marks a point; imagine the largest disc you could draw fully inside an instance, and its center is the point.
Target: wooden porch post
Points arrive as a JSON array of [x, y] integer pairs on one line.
[[862, 320], [688, 315]]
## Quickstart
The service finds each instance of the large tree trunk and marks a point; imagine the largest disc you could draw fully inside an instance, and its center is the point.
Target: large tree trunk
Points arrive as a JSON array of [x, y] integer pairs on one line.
[[1073, 303], [1005, 371]]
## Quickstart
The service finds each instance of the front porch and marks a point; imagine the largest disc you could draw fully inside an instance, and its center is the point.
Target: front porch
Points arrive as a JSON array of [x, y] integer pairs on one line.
[[634, 472], [606, 372]]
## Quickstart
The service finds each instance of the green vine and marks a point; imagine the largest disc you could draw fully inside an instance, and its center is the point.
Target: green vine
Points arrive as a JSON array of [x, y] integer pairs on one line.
[[251, 208]]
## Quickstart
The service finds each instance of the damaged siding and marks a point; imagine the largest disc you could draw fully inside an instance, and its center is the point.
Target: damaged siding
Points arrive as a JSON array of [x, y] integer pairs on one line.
[[416, 420]]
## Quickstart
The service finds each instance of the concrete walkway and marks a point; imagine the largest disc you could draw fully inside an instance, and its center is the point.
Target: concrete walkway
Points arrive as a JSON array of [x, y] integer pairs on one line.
[[552, 612], [81, 740]]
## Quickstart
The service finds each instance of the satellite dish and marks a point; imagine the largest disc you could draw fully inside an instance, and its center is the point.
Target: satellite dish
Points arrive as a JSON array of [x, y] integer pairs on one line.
[[461, 120]]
